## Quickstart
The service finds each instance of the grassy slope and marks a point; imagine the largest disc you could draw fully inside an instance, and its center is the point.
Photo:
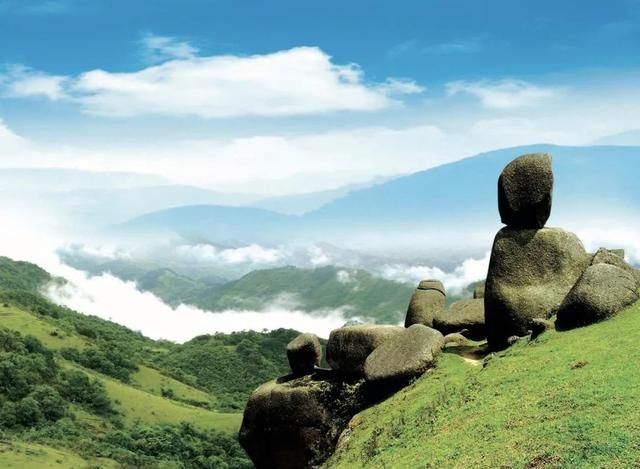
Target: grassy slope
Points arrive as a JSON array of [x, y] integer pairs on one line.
[[139, 402], [568, 399], [34, 456]]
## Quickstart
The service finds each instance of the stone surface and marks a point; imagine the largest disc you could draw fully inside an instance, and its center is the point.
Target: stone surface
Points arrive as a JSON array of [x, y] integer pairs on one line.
[[606, 256], [295, 423], [602, 291], [304, 354], [432, 285], [349, 347], [464, 316], [539, 326], [455, 339], [525, 191], [530, 273], [427, 301], [478, 291], [404, 356]]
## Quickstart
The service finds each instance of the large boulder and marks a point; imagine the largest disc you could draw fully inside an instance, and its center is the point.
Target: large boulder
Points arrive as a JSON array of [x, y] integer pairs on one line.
[[464, 316], [295, 423], [348, 347], [530, 273], [427, 301], [602, 291], [304, 354], [525, 190], [404, 356]]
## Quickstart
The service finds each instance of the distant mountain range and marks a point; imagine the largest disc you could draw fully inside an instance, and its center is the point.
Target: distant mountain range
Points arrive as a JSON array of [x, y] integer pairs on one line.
[[591, 183]]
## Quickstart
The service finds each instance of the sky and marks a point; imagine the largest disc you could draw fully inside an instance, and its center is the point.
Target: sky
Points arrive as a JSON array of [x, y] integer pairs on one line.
[[289, 97]]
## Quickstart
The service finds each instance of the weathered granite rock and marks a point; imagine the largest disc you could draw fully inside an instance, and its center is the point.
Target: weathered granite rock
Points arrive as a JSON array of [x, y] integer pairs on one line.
[[606, 256], [304, 354], [427, 301], [455, 339], [404, 356], [539, 326], [525, 191], [294, 423], [601, 292], [464, 316], [530, 273], [478, 291], [348, 347]]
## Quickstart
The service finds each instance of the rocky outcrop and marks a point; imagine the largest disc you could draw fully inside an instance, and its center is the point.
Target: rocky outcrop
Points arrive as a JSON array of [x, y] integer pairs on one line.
[[304, 354], [293, 423], [530, 273], [525, 191], [427, 302], [404, 356], [602, 291], [349, 347], [464, 316]]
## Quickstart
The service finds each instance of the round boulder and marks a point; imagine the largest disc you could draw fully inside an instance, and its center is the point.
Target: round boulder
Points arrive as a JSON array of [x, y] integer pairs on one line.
[[455, 339], [405, 356], [611, 257], [465, 316], [304, 354], [427, 301], [348, 347], [530, 273], [602, 291], [525, 190]]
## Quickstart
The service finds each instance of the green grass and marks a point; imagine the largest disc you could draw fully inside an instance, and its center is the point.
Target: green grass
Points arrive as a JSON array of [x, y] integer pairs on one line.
[[152, 381], [568, 399], [138, 406], [27, 323], [34, 456]]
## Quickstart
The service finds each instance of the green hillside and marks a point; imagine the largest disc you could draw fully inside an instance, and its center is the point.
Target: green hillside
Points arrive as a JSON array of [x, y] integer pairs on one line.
[[79, 391], [355, 291], [567, 399]]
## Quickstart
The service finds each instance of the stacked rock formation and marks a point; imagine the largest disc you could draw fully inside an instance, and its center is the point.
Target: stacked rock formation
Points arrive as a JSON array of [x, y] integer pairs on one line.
[[537, 272], [295, 421]]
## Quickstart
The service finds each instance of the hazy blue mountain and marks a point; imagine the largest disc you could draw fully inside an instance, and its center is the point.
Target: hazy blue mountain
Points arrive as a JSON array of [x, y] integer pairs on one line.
[[237, 224], [593, 182]]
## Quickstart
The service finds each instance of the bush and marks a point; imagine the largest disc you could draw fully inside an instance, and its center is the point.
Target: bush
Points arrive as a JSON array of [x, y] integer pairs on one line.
[[77, 387]]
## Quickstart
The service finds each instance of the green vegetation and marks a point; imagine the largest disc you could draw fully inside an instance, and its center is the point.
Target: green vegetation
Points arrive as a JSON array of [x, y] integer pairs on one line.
[[567, 399], [79, 391], [230, 366], [356, 292]]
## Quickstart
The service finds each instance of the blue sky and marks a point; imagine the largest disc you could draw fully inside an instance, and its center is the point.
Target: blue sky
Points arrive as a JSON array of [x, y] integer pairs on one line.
[[262, 93]]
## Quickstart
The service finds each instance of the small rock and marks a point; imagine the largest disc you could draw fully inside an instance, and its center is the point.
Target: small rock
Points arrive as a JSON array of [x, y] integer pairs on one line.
[[456, 339], [525, 190], [405, 356], [349, 347], [538, 326], [427, 301], [304, 354]]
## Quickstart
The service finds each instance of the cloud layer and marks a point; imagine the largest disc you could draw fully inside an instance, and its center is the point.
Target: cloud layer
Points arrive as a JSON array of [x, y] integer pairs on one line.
[[298, 81]]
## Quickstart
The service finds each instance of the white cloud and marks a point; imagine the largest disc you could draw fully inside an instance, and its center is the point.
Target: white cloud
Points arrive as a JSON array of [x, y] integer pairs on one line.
[[251, 254], [22, 82], [162, 48], [110, 298], [471, 270], [344, 276], [292, 82], [503, 94]]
